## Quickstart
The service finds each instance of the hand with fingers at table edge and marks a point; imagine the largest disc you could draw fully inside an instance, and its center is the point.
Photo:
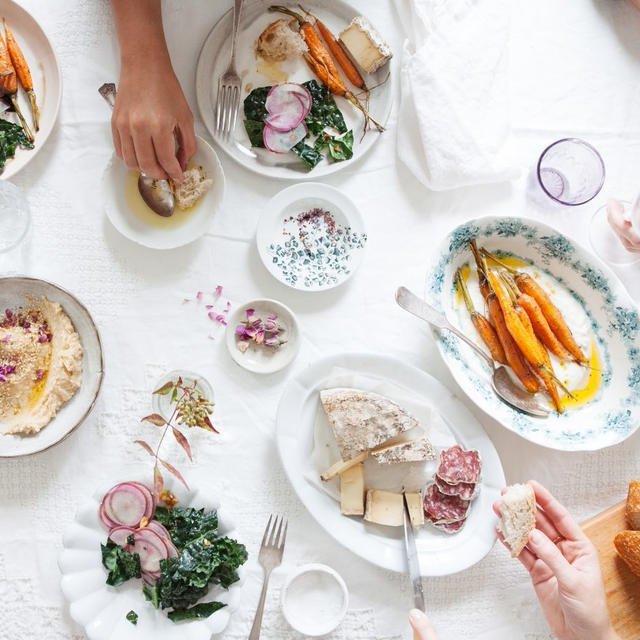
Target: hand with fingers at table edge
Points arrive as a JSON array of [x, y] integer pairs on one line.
[[151, 124], [565, 573], [622, 227]]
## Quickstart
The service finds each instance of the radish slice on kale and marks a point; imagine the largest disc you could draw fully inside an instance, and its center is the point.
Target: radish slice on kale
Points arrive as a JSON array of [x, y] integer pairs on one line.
[[126, 504], [283, 142]]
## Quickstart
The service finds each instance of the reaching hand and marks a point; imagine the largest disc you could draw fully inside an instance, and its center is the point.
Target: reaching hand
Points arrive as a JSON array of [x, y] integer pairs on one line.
[[422, 629], [565, 573], [151, 117], [622, 227]]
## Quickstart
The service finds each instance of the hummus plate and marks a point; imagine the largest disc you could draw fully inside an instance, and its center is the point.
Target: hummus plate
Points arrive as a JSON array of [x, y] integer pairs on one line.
[[18, 291]]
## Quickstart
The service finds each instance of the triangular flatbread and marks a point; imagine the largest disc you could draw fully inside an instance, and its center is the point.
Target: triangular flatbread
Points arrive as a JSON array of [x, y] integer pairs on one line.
[[363, 420]]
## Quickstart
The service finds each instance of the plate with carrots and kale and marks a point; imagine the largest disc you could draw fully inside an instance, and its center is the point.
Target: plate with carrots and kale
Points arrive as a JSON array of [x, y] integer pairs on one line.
[[30, 88], [316, 90], [557, 318]]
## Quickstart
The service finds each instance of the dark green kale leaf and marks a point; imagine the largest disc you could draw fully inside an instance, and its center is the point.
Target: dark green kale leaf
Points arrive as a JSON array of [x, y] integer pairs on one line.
[[254, 131], [11, 136], [254, 108], [121, 564], [132, 617], [309, 155], [202, 610], [324, 110], [186, 524], [339, 147]]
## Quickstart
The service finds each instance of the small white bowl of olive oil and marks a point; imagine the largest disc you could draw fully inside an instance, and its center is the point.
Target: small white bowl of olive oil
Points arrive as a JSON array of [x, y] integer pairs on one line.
[[129, 214]]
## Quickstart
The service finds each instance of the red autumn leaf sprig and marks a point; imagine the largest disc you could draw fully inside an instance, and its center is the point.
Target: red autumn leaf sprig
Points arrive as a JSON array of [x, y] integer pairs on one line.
[[190, 409]]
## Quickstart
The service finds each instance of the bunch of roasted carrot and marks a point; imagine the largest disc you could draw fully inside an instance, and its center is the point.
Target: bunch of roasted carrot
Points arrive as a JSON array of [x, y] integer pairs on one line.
[[14, 68], [523, 324], [321, 63]]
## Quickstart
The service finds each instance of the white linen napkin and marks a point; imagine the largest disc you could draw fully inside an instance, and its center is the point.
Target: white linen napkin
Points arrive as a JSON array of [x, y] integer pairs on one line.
[[453, 128]]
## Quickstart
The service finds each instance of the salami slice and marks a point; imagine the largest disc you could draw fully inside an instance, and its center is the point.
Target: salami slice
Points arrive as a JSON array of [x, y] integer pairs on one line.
[[451, 527], [440, 508], [457, 465], [466, 490]]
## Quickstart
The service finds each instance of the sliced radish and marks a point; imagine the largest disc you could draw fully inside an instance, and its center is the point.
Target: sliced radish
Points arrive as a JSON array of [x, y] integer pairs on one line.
[[173, 551], [149, 578], [156, 527], [151, 499], [281, 94], [283, 141], [104, 518], [126, 504], [120, 534], [150, 549]]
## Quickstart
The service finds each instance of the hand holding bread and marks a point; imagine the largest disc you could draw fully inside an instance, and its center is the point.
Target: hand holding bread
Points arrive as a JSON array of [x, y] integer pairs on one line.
[[561, 561]]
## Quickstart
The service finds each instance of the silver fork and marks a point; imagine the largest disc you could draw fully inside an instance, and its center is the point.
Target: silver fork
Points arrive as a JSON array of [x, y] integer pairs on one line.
[[229, 84], [270, 557]]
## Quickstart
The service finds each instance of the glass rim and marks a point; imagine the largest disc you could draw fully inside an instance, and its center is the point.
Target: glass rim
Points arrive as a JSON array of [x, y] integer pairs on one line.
[[27, 226], [584, 143]]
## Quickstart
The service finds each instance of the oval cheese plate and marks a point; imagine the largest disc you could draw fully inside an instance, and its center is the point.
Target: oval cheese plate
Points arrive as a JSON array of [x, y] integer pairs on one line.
[[299, 415], [597, 308]]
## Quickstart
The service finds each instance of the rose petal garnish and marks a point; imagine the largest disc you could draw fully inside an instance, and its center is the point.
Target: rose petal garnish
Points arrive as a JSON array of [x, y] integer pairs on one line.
[[218, 291], [199, 295], [272, 316], [250, 313]]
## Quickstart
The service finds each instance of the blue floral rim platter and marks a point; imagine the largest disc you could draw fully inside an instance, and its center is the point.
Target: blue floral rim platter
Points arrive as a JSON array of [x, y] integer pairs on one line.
[[610, 414]]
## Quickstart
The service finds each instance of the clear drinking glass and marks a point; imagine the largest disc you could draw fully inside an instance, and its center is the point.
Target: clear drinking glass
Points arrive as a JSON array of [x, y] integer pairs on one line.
[[570, 171], [15, 220], [604, 240]]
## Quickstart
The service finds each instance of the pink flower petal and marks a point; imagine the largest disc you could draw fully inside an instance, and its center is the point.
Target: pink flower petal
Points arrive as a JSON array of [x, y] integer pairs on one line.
[[218, 291], [199, 295]]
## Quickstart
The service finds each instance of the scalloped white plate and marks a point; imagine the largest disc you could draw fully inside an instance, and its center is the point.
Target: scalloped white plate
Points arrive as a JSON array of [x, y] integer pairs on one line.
[[101, 609]]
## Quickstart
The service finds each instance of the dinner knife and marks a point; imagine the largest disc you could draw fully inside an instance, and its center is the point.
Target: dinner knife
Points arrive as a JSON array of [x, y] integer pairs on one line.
[[412, 558]]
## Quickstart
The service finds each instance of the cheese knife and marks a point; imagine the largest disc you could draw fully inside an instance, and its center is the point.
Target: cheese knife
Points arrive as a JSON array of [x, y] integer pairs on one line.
[[413, 563]]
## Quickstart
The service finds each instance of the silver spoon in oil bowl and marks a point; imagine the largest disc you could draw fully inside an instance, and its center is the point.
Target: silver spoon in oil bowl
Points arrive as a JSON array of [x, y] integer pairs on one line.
[[157, 193]]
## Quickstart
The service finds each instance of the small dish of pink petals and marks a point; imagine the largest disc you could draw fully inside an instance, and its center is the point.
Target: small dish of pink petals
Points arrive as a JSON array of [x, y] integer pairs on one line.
[[263, 336]]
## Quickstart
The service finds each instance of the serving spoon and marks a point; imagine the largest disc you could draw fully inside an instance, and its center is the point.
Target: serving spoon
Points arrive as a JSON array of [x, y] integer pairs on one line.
[[503, 385], [156, 193]]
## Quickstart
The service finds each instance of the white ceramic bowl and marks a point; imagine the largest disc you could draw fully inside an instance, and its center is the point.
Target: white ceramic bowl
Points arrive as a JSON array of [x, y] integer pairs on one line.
[[304, 594], [257, 358], [272, 242], [167, 236], [14, 291]]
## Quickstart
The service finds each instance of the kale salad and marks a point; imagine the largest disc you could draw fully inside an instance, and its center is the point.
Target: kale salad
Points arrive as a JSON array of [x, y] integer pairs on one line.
[[300, 118]]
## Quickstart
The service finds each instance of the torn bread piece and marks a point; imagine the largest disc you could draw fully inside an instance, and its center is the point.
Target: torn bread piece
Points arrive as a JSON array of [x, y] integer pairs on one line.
[[416, 450], [632, 510], [517, 517], [627, 544], [363, 420], [352, 491], [384, 507]]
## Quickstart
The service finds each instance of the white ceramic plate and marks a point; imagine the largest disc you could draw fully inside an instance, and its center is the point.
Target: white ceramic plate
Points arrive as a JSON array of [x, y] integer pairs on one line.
[[613, 414], [260, 359], [213, 61], [164, 234], [101, 609], [47, 80], [439, 553], [13, 293], [284, 256]]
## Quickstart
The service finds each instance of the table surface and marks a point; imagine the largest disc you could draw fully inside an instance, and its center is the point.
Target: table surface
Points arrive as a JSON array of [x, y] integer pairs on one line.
[[574, 70]]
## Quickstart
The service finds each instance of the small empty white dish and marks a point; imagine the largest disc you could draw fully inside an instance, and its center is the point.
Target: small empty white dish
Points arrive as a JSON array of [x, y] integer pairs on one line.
[[314, 599], [311, 237], [259, 358], [133, 219]]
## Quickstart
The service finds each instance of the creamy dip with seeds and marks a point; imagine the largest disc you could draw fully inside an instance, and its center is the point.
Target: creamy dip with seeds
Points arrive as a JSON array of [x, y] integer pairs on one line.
[[40, 365]]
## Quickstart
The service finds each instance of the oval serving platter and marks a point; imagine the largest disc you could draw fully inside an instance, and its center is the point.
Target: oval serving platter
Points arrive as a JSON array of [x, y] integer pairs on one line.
[[611, 415]]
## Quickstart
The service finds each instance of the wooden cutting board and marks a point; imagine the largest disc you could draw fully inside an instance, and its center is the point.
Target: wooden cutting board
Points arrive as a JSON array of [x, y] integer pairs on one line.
[[621, 586]]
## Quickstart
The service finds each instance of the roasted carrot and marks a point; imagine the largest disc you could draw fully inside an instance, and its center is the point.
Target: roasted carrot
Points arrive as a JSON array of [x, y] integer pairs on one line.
[[24, 74], [515, 359], [321, 63], [9, 86], [481, 266], [528, 285], [541, 326], [341, 56], [482, 325]]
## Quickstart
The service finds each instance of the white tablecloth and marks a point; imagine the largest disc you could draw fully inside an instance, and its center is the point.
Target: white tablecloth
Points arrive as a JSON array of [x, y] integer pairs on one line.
[[575, 68]]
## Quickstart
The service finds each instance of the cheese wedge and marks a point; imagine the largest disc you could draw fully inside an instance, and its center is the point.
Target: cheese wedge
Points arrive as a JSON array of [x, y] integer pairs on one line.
[[365, 45], [363, 420], [352, 491], [416, 450], [341, 466], [416, 511], [384, 507]]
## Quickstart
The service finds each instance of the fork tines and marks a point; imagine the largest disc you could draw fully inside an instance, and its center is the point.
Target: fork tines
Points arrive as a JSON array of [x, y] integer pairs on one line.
[[275, 533], [227, 105]]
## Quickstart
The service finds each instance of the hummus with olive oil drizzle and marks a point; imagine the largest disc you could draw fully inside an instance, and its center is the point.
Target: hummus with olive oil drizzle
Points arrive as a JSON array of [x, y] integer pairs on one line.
[[40, 365]]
